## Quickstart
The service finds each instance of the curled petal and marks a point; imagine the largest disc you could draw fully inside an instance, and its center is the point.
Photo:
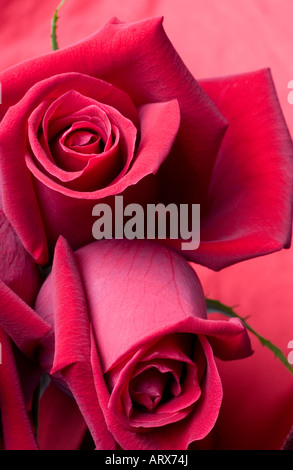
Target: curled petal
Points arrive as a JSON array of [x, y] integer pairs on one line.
[[163, 296], [250, 195]]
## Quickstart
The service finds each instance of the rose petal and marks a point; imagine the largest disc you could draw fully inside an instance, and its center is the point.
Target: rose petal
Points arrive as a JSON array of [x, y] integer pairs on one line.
[[174, 408], [204, 415], [163, 296], [163, 372], [147, 162], [71, 362], [17, 268], [177, 347], [18, 433], [20, 321], [61, 425], [147, 388], [250, 196]]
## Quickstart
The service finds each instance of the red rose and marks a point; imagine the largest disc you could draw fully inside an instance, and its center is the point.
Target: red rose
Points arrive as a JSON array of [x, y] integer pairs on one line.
[[130, 340], [119, 113]]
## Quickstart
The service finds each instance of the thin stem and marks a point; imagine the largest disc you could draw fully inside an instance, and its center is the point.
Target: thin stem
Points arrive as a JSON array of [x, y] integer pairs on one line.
[[216, 306], [54, 42]]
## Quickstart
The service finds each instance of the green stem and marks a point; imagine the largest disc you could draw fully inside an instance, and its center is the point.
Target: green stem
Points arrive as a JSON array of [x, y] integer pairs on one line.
[[54, 42], [216, 306]]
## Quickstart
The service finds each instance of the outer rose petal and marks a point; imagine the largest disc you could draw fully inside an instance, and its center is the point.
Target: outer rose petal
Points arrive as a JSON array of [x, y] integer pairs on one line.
[[20, 280], [251, 192], [58, 411], [21, 322], [82, 356], [17, 430], [160, 298], [248, 208], [17, 268], [71, 346]]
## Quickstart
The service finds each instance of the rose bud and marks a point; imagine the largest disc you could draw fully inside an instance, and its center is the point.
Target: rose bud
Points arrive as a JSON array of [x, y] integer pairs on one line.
[[131, 342]]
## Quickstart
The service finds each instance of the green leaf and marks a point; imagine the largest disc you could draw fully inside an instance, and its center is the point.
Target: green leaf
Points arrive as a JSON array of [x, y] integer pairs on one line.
[[54, 42], [216, 306]]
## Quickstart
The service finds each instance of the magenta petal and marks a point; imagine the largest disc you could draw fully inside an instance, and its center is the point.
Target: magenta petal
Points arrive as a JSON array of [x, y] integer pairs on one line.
[[159, 124], [204, 415], [61, 425], [20, 322], [59, 201], [17, 430], [177, 347], [17, 268], [182, 391], [156, 141], [65, 166], [163, 296], [16, 207], [72, 341], [69, 309], [250, 195], [177, 406], [148, 387], [201, 418]]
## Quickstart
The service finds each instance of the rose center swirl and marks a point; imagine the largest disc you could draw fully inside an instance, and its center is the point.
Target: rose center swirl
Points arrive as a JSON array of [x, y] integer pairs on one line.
[[150, 388]]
